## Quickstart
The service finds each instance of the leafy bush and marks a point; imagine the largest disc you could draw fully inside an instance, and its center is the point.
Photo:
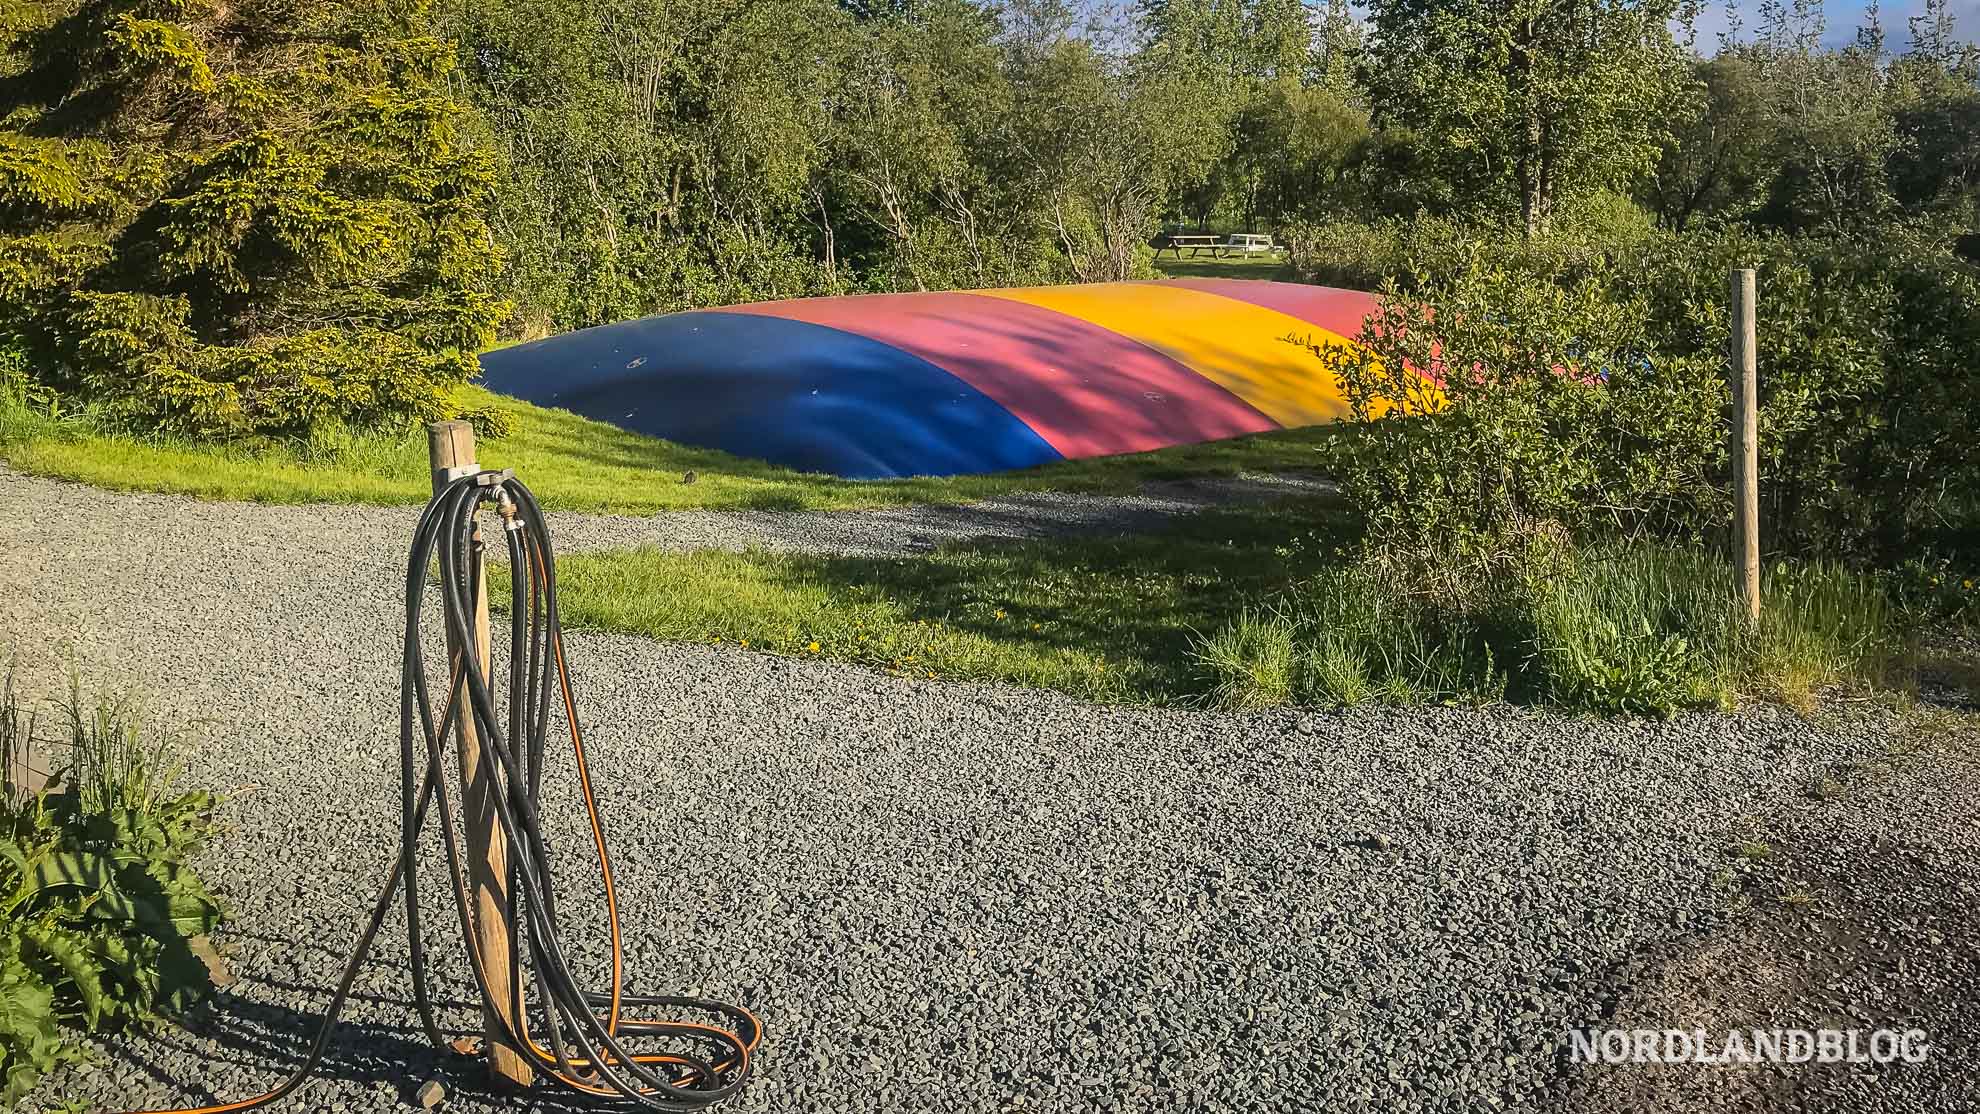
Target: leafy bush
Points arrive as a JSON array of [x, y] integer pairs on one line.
[[98, 907], [1424, 252], [1534, 411], [1869, 397]]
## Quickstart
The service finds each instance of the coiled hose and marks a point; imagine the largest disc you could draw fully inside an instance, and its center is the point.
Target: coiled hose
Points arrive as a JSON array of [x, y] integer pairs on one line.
[[589, 1041]]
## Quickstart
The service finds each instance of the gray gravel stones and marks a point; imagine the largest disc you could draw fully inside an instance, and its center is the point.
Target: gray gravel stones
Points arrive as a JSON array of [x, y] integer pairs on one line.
[[888, 531], [1866, 916], [882, 531], [938, 896]]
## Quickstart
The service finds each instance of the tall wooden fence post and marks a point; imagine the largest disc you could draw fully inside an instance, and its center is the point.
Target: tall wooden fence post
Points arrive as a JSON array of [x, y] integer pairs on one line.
[[450, 450], [1746, 441]]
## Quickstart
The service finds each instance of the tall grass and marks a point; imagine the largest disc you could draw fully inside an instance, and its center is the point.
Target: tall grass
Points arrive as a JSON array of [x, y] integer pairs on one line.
[[1822, 626], [16, 746], [1251, 663], [1640, 630], [119, 765], [1370, 641]]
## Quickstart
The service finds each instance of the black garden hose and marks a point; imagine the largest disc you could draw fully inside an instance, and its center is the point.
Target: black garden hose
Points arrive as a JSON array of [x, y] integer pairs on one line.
[[591, 1046]]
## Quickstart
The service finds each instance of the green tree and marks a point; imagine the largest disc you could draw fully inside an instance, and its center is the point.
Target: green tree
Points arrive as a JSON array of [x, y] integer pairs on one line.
[[1110, 140], [1293, 148], [1831, 121], [925, 174], [241, 218], [1525, 106], [656, 156], [1935, 106], [1720, 159]]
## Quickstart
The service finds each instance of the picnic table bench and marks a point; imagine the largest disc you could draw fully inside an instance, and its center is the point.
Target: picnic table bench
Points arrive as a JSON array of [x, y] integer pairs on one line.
[[1177, 241], [1239, 243]]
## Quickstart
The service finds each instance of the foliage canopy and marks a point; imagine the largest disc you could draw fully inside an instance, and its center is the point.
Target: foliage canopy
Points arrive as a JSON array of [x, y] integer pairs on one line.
[[242, 218]]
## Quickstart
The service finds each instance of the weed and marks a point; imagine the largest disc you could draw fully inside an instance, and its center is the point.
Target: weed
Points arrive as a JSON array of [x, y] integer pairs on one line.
[[97, 903], [112, 768], [1251, 662], [16, 746], [1338, 671], [1628, 632]]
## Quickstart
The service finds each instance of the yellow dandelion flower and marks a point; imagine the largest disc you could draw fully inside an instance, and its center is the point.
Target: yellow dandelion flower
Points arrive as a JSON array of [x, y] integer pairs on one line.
[[742, 641], [814, 647], [1000, 613]]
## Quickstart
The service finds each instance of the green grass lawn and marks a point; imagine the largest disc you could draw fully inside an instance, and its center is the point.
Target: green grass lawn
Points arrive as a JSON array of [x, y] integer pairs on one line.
[[1275, 268], [1260, 606], [1110, 618], [572, 463]]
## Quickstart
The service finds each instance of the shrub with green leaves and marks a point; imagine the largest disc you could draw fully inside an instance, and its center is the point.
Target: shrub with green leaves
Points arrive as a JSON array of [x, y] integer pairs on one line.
[[1869, 397], [1528, 410], [246, 218], [98, 906]]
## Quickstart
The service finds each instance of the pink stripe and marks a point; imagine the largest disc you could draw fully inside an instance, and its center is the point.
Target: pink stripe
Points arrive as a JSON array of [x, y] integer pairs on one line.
[[1087, 391], [1333, 309]]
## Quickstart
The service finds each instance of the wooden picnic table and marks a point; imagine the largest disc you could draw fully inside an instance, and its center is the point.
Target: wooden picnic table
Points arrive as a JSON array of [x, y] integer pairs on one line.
[[1177, 241]]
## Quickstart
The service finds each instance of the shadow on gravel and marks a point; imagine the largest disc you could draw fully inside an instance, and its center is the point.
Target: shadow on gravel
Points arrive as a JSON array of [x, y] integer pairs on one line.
[[244, 1047], [1861, 911]]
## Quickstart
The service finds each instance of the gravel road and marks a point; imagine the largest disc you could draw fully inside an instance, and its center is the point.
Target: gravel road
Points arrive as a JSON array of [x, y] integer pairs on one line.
[[938, 896], [1865, 915], [888, 531]]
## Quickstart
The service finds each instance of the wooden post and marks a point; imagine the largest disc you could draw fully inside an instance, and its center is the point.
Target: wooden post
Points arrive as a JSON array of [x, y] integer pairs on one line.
[[1746, 441], [450, 450]]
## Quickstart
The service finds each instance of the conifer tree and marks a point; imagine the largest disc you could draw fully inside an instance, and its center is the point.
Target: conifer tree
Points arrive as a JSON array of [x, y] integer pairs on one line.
[[236, 217]]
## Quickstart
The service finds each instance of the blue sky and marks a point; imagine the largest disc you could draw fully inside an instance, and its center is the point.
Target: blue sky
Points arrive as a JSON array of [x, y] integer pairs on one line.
[[1843, 17]]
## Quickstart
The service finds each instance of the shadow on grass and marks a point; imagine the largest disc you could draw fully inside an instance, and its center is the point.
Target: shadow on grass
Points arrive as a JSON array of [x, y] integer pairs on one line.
[[1137, 601]]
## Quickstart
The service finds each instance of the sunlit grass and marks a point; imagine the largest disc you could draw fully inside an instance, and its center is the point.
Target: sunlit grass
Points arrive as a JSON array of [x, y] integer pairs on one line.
[[1110, 618], [1258, 608], [572, 463], [1272, 267]]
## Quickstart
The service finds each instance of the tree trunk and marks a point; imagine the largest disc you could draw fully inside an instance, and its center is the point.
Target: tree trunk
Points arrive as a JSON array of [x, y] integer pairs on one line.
[[1531, 211], [1544, 193]]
